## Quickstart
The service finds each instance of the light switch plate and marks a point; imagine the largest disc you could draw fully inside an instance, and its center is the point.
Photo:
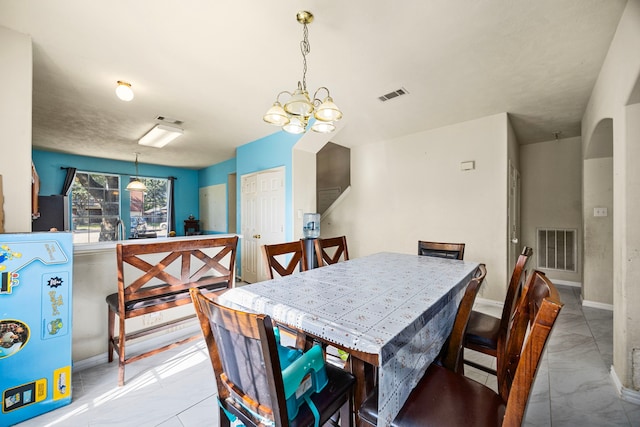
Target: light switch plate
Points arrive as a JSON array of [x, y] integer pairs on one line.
[[467, 166]]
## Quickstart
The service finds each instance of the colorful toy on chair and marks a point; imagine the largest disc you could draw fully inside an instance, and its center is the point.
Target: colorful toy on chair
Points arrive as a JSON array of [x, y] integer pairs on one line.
[[303, 374]]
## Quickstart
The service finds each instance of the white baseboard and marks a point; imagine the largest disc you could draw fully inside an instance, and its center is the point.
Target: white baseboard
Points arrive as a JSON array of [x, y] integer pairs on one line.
[[489, 302], [154, 341], [626, 394], [567, 283], [596, 304], [91, 362]]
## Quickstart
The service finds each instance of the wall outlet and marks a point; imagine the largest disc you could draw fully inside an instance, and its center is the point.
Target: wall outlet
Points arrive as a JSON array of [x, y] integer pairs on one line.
[[600, 212]]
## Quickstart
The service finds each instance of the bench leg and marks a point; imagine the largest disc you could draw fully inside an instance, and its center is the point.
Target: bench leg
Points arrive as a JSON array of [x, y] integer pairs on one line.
[[121, 359]]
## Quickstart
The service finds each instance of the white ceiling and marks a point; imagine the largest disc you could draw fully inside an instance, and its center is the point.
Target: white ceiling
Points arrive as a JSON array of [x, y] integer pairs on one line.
[[218, 65]]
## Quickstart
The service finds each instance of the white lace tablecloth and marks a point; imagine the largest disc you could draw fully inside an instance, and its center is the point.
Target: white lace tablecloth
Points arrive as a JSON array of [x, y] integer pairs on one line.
[[397, 306]]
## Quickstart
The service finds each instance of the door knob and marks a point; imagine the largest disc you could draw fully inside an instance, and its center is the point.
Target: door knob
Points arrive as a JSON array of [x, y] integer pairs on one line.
[[256, 236]]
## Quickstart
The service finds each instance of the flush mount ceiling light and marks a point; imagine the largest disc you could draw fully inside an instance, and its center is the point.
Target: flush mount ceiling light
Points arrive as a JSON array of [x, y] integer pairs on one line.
[[299, 108], [123, 91], [136, 184], [160, 136]]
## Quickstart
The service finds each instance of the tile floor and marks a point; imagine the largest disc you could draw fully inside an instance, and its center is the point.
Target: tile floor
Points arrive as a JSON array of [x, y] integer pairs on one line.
[[176, 388]]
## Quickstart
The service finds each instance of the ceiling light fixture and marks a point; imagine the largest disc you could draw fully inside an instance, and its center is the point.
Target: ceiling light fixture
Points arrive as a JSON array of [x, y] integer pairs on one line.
[[160, 135], [136, 184], [297, 111], [123, 91]]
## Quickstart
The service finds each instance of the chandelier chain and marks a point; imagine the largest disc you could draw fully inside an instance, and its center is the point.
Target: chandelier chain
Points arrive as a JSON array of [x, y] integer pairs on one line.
[[300, 109], [305, 48]]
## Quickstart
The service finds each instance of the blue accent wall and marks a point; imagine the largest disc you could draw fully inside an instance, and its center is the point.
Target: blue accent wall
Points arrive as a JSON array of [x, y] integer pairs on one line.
[[216, 174], [270, 152], [48, 166]]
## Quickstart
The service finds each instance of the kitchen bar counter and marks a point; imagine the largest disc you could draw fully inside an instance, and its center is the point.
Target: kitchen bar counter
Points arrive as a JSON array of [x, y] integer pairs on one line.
[[84, 248]]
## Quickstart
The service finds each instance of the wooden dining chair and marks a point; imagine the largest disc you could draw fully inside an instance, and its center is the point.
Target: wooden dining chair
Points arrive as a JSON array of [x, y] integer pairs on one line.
[[444, 397], [451, 353], [485, 332], [331, 250], [441, 249], [293, 251], [258, 383]]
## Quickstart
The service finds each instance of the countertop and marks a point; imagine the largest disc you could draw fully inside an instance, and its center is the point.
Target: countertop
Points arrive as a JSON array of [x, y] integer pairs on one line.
[[86, 248]]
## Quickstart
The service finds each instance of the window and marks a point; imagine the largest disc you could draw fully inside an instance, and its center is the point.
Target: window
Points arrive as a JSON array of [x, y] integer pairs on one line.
[[95, 204], [97, 210], [149, 209]]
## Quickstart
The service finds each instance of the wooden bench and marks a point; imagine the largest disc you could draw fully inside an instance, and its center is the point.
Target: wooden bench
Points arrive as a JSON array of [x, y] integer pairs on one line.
[[146, 285]]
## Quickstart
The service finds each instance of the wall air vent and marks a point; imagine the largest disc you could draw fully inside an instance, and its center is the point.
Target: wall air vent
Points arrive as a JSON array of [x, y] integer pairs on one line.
[[557, 249], [169, 120], [394, 94]]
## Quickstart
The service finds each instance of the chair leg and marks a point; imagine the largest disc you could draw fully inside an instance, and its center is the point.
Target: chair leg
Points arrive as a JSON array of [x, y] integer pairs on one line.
[[111, 321], [347, 413]]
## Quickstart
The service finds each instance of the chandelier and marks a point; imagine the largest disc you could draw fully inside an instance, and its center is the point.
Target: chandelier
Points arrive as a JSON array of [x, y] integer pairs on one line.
[[299, 108]]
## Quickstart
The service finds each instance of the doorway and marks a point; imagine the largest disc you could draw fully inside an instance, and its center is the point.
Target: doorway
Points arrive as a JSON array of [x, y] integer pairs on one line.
[[262, 200], [513, 217]]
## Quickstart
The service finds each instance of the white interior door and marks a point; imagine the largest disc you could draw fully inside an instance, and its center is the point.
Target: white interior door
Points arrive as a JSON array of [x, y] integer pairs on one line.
[[513, 217], [249, 191], [262, 219]]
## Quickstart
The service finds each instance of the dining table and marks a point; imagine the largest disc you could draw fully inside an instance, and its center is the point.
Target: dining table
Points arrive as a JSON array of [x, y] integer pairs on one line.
[[391, 312]]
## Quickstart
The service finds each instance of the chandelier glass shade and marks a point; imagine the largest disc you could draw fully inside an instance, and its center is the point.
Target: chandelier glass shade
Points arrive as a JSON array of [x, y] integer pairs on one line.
[[293, 116]]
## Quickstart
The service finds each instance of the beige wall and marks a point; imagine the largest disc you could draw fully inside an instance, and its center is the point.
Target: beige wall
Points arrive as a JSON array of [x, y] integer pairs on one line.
[[94, 277], [411, 188], [15, 122], [513, 146], [630, 274], [610, 95], [598, 231], [551, 175]]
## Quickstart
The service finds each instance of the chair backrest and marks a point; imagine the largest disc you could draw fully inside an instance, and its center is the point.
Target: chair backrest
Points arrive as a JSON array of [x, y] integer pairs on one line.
[[451, 356], [533, 319], [148, 271], [441, 249], [294, 251], [329, 251], [243, 352], [514, 292]]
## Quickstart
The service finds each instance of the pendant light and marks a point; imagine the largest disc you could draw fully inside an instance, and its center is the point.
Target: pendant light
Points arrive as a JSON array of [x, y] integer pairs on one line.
[[136, 184]]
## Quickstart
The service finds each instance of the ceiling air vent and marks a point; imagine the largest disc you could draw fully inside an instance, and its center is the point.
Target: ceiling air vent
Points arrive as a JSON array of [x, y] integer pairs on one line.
[[169, 120], [394, 94]]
